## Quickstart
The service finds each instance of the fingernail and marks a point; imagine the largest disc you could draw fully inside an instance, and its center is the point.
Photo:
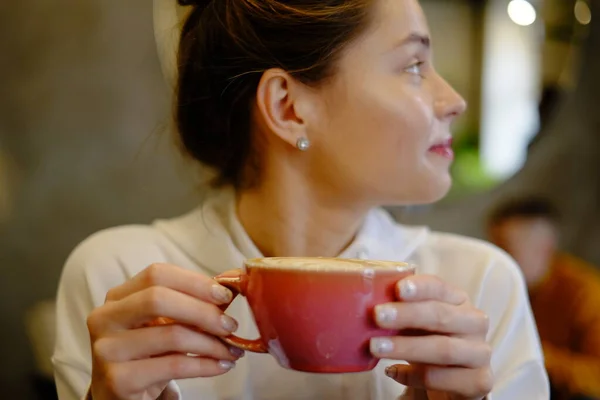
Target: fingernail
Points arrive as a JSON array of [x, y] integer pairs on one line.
[[228, 323], [381, 345], [385, 313], [221, 293], [391, 371], [407, 288], [226, 365], [239, 353]]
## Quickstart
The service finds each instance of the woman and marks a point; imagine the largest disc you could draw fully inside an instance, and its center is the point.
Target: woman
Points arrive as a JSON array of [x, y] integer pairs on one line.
[[312, 113]]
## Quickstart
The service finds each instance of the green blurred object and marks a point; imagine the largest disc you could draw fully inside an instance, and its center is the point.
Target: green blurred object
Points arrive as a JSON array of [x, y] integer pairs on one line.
[[467, 171]]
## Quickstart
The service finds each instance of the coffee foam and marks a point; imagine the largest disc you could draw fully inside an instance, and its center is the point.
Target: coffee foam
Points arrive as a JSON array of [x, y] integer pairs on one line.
[[325, 264]]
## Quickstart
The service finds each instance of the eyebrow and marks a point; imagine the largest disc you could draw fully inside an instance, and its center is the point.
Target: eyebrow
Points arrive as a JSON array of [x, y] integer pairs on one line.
[[414, 37]]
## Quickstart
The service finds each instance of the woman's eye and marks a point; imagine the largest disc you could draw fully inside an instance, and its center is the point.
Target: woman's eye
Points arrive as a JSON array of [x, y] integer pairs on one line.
[[415, 69]]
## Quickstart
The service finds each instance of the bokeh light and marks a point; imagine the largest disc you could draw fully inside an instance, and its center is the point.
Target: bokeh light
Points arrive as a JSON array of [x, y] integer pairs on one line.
[[522, 12]]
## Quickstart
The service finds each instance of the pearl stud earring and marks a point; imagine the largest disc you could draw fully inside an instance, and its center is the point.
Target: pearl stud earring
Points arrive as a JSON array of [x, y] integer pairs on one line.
[[303, 144]]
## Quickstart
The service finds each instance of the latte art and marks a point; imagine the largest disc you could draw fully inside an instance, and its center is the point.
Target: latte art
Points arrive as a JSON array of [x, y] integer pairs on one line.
[[324, 264]]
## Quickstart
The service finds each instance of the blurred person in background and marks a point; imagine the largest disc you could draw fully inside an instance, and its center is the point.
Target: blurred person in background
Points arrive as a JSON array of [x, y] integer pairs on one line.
[[564, 293]]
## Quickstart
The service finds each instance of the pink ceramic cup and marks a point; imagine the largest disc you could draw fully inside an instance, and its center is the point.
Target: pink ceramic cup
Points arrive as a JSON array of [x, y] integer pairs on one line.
[[316, 314]]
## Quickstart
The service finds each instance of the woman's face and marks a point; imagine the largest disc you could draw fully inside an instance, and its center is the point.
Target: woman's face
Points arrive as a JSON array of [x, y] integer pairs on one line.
[[381, 131]]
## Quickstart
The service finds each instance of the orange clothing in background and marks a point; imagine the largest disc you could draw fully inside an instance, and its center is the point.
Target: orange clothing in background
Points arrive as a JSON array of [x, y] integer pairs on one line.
[[566, 306]]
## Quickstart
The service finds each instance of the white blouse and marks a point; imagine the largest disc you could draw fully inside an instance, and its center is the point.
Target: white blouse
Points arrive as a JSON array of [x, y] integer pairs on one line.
[[210, 240]]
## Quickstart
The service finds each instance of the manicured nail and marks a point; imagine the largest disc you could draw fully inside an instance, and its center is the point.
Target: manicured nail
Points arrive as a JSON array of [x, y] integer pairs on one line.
[[385, 314], [228, 323], [391, 371], [238, 353], [407, 288], [381, 346], [221, 293], [226, 365]]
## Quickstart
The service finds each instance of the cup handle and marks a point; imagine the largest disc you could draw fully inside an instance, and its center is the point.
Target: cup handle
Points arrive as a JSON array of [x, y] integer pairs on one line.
[[237, 281]]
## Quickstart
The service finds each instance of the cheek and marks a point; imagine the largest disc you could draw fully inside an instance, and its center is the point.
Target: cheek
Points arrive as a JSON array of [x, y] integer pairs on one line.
[[386, 119], [375, 138], [416, 119], [400, 133]]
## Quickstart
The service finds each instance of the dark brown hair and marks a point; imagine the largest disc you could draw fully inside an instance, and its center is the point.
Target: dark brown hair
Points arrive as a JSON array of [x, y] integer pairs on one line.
[[225, 47], [528, 207]]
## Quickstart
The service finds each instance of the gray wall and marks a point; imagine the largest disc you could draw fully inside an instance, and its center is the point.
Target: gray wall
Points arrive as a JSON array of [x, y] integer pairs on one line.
[[83, 113]]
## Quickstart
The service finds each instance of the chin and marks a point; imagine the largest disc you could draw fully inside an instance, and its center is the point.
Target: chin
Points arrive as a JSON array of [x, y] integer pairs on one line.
[[439, 195], [442, 190], [433, 194], [428, 191]]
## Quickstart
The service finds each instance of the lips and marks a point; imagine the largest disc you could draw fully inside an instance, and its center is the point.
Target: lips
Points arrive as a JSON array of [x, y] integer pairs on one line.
[[443, 149]]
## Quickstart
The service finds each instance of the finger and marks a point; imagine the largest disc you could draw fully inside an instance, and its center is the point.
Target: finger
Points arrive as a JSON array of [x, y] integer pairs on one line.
[[432, 316], [135, 376], [143, 307], [469, 383], [160, 340], [191, 283], [429, 287], [434, 349]]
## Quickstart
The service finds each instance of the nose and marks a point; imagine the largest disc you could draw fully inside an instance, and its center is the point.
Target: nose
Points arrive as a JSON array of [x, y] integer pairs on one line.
[[448, 104]]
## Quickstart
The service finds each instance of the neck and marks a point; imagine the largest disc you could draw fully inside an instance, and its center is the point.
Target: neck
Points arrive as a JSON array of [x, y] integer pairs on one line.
[[290, 219]]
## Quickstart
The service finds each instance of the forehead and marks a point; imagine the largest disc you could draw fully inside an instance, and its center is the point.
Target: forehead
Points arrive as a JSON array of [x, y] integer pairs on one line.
[[391, 22], [520, 226], [396, 19]]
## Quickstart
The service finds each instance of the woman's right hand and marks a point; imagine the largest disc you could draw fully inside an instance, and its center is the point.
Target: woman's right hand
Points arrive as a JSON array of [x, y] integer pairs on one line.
[[134, 357]]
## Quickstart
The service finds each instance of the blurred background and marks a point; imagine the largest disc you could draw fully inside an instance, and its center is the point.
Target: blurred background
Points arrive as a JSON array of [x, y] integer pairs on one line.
[[85, 142]]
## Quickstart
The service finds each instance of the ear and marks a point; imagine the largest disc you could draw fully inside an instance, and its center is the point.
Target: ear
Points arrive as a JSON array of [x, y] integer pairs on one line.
[[285, 105]]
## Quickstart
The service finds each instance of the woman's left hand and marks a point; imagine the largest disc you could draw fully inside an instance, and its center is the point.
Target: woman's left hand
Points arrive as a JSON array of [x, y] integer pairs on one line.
[[450, 359]]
